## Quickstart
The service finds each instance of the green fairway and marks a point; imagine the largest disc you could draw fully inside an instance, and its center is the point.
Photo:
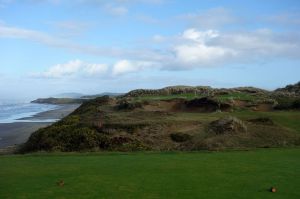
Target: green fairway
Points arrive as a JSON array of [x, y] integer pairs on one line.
[[234, 174]]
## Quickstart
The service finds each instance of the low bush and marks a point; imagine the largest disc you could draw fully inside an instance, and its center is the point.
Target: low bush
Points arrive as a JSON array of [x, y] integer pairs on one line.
[[180, 137], [262, 120], [227, 125], [287, 103], [125, 105], [65, 138]]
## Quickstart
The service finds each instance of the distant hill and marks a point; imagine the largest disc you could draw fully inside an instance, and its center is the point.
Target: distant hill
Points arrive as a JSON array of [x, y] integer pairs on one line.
[[80, 95], [58, 101], [68, 95]]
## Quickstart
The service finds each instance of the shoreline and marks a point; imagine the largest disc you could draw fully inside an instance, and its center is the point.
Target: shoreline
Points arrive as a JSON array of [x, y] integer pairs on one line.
[[55, 114], [12, 134]]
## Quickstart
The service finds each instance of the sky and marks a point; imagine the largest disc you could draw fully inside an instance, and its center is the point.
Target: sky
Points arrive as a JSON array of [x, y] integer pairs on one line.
[[92, 46]]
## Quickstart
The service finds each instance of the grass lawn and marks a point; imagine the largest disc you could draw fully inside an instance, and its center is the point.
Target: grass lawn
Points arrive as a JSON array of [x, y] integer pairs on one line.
[[231, 174]]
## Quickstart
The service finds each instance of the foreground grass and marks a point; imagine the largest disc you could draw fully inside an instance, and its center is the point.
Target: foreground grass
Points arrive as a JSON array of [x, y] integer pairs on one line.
[[235, 174]]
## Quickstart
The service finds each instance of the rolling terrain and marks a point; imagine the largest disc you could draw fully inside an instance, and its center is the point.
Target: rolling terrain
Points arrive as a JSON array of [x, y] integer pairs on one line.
[[174, 136], [177, 118]]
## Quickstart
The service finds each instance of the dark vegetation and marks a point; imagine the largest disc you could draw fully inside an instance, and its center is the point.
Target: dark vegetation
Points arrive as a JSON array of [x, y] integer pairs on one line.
[[285, 103], [176, 118], [262, 120], [228, 125], [180, 137]]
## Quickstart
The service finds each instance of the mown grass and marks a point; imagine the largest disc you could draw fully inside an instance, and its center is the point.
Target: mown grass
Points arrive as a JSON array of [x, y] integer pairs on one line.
[[234, 174]]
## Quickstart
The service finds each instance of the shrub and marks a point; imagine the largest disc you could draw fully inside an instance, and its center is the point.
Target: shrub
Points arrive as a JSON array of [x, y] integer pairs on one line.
[[228, 125], [287, 103], [125, 105], [262, 120], [65, 138], [180, 137]]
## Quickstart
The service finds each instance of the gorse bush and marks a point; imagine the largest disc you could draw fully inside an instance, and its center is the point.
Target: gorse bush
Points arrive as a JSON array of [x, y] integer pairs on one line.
[[125, 105], [65, 138], [180, 137], [287, 103]]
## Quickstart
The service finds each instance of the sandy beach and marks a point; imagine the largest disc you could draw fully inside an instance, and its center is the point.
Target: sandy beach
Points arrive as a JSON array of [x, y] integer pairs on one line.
[[18, 132]]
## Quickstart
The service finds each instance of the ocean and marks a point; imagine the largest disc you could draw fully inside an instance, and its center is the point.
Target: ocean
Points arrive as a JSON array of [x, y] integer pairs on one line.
[[13, 112]]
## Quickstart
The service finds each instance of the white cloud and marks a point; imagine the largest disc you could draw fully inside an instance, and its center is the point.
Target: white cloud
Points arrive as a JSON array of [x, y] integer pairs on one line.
[[127, 66], [262, 44], [73, 68], [67, 69], [191, 49], [196, 49], [64, 43], [199, 36], [199, 55], [95, 69]]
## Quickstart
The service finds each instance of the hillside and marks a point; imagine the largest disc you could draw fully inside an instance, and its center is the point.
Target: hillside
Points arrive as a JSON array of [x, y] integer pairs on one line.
[[176, 118], [292, 89]]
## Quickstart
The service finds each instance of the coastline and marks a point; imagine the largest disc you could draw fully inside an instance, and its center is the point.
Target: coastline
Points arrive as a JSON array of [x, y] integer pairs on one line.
[[12, 134], [55, 114]]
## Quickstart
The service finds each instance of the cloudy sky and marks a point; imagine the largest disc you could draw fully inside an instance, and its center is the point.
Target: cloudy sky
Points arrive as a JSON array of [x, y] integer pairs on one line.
[[91, 46]]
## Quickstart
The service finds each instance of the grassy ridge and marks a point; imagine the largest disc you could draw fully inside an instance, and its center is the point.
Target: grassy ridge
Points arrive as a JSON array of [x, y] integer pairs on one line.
[[235, 174], [190, 96]]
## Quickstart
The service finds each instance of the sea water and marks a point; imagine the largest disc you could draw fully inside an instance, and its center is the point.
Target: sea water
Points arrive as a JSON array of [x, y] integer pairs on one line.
[[14, 112]]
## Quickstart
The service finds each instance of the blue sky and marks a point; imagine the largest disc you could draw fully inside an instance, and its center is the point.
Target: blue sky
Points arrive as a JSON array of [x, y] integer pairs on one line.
[[92, 46]]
